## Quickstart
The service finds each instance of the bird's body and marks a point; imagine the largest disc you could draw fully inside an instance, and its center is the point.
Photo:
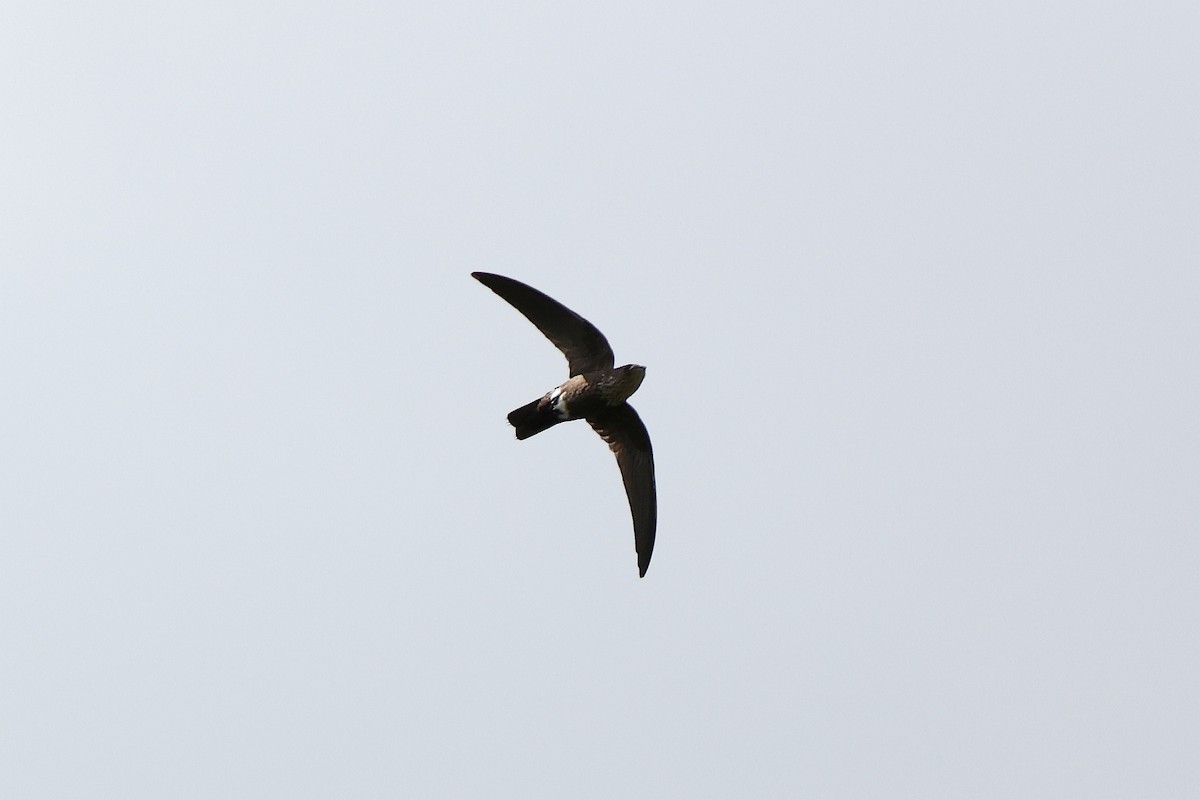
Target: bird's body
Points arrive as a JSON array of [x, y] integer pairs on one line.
[[581, 396], [596, 391]]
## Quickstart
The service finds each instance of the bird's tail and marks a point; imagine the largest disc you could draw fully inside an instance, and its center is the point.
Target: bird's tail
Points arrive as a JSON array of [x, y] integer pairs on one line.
[[533, 418]]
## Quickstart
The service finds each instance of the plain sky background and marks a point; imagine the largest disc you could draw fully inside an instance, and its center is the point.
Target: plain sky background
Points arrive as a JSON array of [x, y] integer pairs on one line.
[[918, 290]]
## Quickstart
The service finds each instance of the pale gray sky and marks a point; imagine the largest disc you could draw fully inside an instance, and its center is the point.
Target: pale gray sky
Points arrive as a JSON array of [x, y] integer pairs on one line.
[[918, 290]]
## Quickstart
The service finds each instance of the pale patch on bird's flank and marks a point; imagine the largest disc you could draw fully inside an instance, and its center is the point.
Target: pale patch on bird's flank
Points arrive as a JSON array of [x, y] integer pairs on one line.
[[558, 402]]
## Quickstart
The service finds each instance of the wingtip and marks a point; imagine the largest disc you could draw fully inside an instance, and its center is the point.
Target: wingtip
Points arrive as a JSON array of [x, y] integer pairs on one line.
[[490, 280]]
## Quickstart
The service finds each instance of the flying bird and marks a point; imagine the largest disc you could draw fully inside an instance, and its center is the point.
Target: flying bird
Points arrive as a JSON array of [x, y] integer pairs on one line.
[[595, 391]]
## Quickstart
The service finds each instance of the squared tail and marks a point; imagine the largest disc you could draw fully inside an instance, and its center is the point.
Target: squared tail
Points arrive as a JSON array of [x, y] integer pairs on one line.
[[533, 418]]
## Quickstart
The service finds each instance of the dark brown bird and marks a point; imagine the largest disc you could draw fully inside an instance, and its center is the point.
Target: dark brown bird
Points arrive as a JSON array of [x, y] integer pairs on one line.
[[596, 391]]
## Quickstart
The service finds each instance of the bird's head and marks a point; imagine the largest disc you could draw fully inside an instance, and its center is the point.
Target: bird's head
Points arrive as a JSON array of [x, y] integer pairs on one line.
[[629, 378]]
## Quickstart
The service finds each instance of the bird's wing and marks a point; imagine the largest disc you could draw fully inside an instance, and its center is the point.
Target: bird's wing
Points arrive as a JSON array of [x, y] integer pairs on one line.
[[584, 346], [622, 428]]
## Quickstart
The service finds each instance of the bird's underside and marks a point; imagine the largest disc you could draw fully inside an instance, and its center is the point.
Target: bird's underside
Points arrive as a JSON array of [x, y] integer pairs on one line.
[[596, 391]]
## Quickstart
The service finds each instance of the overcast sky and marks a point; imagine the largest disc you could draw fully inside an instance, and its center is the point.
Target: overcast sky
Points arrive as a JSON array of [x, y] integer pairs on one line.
[[918, 290]]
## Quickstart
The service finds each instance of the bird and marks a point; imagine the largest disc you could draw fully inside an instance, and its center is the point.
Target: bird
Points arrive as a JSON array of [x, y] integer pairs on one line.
[[595, 391]]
